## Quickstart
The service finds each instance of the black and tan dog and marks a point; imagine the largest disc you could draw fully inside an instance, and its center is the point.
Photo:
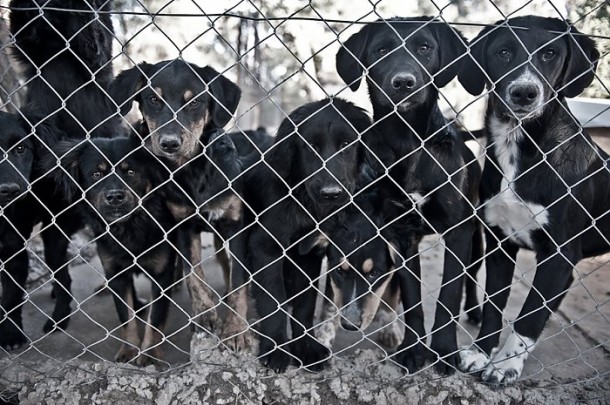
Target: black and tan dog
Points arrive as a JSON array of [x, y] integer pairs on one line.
[[407, 60], [182, 108], [65, 50], [307, 174], [545, 183]]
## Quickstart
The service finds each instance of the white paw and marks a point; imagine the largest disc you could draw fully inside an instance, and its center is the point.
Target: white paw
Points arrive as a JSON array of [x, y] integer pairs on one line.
[[472, 360], [390, 336], [507, 364], [326, 333]]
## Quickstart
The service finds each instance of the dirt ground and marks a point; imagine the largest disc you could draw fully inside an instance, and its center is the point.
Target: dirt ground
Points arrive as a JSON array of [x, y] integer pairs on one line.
[[570, 364]]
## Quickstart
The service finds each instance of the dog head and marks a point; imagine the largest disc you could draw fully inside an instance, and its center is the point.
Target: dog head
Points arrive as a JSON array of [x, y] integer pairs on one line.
[[318, 147], [115, 174], [179, 102], [527, 61], [360, 267], [402, 57]]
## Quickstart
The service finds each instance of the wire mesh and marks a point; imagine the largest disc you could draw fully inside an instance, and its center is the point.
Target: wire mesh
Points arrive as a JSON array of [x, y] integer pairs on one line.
[[185, 189]]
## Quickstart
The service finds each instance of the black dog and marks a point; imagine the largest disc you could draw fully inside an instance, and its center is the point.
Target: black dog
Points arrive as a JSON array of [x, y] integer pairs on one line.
[[544, 179], [429, 165], [306, 176], [20, 144], [361, 253], [79, 75], [114, 175], [181, 109]]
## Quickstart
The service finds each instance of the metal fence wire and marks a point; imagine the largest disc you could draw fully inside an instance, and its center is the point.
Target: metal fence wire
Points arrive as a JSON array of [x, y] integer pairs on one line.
[[259, 202]]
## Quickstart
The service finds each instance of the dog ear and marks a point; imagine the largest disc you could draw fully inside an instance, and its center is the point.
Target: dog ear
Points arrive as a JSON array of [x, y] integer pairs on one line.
[[452, 50], [225, 95], [68, 175], [280, 155], [472, 72], [582, 61], [349, 61], [125, 88]]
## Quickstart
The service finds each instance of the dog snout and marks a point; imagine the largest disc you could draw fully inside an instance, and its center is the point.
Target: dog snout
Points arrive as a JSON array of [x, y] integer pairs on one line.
[[170, 144], [115, 197], [524, 94], [403, 81], [331, 193], [351, 317], [9, 191]]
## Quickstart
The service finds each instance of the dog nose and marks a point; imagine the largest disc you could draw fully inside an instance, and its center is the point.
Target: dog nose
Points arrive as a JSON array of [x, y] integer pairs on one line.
[[8, 191], [170, 144], [115, 197], [523, 94], [350, 325], [331, 193], [404, 81]]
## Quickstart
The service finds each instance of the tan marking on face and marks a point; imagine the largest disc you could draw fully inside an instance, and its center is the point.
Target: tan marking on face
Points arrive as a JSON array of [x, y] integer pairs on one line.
[[344, 264], [150, 123], [158, 92], [124, 166], [371, 303], [190, 136], [188, 95], [180, 211], [102, 166], [367, 266]]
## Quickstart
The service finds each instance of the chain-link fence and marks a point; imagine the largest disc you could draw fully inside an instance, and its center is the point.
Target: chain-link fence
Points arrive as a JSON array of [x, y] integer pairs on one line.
[[260, 202]]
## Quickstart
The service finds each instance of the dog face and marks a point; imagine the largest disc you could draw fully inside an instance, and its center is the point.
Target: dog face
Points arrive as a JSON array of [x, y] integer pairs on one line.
[[17, 159], [528, 61], [114, 174], [318, 147], [403, 56], [179, 104]]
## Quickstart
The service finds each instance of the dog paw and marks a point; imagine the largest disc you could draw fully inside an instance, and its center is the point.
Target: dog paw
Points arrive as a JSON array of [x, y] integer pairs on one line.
[[51, 326], [445, 355], [390, 336], [326, 333], [507, 364], [412, 357], [11, 336], [126, 354], [312, 354], [149, 357], [472, 360], [277, 360], [235, 334], [208, 321]]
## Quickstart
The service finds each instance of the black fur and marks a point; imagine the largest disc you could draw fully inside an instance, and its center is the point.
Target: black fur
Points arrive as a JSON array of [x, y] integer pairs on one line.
[[428, 158], [125, 232], [556, 166], [292, 192]]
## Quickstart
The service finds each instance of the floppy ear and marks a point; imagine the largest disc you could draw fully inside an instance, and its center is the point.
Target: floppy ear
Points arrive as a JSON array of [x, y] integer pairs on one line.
[[226, 95], [349, 61], [452, 49], [69, 153], [581, 64], [281, 153], [125, 88], [472, 72]]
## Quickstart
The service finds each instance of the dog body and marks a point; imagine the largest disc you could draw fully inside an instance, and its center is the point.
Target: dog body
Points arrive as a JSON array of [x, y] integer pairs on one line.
[[66, 57], [291, 192], [131, 238], [544, 180], [182, 108], [20, 149], [430, 170]]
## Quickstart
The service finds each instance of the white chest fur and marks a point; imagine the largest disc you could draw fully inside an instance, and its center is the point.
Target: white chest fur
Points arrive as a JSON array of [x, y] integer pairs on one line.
[[516, 217]]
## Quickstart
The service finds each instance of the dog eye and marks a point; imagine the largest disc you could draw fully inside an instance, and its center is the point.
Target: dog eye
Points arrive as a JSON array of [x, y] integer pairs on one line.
[[154, 100], [97, 175], [423, 49], [548, 54], [382, 51], [504, 54], [345, 144], [193, 103], [20, 149], [131, 172]]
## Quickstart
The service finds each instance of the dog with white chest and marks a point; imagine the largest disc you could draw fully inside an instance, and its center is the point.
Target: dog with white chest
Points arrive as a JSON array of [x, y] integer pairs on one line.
[[545, 182]]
